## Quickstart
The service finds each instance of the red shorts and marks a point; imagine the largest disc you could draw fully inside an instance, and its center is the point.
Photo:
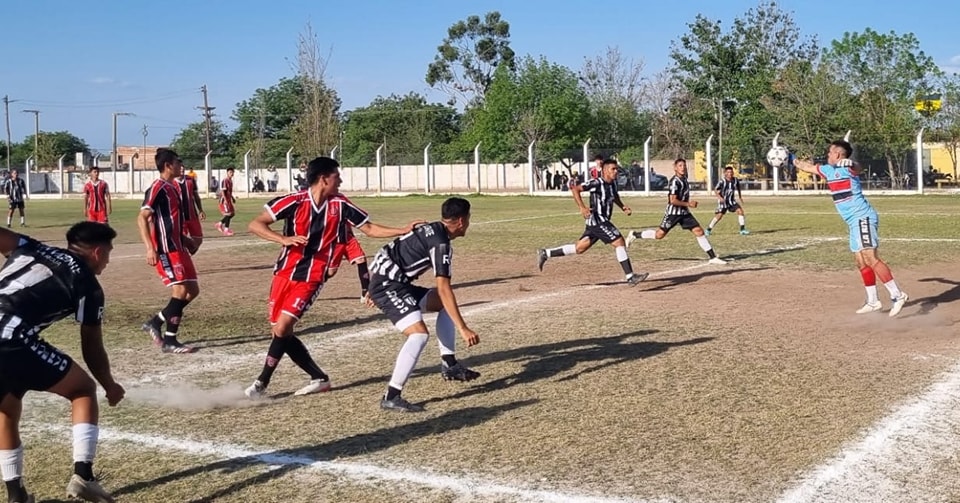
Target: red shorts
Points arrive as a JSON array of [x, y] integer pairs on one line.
[[175, 268], [290, 297], [351, 250], [97, 216], [193, 228], [226, 207]]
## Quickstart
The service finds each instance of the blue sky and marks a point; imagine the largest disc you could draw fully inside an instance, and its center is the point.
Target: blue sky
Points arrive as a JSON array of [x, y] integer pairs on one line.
[[78, 62]]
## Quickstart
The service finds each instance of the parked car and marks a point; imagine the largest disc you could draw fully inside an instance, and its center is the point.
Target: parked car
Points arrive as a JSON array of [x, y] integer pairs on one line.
[[657, 181]]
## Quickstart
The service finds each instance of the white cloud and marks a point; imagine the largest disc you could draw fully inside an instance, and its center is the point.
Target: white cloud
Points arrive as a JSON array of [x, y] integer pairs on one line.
[[952, 65]]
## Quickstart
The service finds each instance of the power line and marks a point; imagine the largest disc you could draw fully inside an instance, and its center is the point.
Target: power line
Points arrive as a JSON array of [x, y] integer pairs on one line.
[[109, 103]]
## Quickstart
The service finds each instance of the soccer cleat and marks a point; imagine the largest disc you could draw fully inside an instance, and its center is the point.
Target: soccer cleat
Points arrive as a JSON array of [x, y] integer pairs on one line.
[[717, 261], [154, 331], [227, 232], [898, 304], [637, 278], [398, 404], [631, 237], [707, 232], [219, 227], [744, 232], [541, 258], [870, 307], [458, 373], [256, 390], [315, 386], [87, 490], [177, 348]]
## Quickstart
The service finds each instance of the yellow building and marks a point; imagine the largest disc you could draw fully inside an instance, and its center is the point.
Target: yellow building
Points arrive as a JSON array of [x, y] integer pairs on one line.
[[938, 156]]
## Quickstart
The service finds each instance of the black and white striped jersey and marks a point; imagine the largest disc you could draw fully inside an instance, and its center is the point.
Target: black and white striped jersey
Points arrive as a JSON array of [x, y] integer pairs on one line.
[[407, 257], [728, 190], [603, 195], [15, 188], [40, 285], [681, 188]]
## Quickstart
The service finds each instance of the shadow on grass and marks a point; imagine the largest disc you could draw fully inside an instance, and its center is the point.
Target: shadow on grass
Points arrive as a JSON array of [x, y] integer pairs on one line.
[[285, 461], [928, 304], [656, 283]]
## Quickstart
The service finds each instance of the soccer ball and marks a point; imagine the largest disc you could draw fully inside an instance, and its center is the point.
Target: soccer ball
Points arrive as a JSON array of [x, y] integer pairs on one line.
[[777, 156]]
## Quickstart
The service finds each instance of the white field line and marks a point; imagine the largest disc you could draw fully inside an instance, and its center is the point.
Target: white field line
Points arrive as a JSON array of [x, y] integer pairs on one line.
[[912, 440], [357, 472]]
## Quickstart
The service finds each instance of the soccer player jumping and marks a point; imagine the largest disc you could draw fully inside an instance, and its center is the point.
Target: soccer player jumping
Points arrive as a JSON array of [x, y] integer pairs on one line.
[[843, 180]]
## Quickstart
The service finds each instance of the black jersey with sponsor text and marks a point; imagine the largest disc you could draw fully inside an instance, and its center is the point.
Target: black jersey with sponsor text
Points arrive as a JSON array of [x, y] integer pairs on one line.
[[407, 257]]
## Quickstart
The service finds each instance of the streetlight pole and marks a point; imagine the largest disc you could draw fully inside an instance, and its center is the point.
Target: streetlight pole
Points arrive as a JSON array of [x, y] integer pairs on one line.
[[36, 136], [115, 160], [6, 114]]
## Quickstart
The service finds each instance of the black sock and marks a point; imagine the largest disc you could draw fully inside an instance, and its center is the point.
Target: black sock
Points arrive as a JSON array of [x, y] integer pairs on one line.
[[392, 393], [742, 227], [627, 268], [226, 221], [299, 355], [449, 360], [84, 469], [364, 273], [711, 254], [15, 490], [278, 345], [172, 313], [555, 252]]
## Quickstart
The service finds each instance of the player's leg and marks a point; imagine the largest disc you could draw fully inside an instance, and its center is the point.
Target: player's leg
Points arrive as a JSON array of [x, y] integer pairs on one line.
[[450, 369], [717, 216], [356, 256], [742, 220], [869, 278], [23, 222], [401, 306], [177, 271], [10, 213], [583, 244], [11, 447], [611, 235], [689, 222], [195, 231], [80, 389], [660, 232], [865, 245]]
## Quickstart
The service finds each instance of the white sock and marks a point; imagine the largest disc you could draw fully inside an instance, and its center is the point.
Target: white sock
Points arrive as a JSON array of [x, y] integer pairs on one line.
[[446, 333], [85, 437], [407, 359], [872, 297], [742, 220], [9, 220], [11, 464], [704, 243], [21, 220], [648, 234], [713, 222], [892, 288]]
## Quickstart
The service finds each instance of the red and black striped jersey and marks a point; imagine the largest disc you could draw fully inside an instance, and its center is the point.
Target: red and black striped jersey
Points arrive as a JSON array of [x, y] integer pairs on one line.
[[163, 199], [96, 194], [188, 197], [226, 190], [322, 226]]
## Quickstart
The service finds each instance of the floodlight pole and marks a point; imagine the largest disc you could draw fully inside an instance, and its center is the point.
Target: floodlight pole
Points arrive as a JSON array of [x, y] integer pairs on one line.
[[646, 165]]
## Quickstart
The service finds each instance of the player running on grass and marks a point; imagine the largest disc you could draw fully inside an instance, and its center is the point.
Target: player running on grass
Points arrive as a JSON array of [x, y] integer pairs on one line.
[[599, 227], [729, 198], [843, 180]]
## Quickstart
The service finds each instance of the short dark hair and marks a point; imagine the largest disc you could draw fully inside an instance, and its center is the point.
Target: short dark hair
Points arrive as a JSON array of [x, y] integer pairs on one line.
[[610, 161], [728, 167], [321, 166], [91, 233], [455, 207], [845, 145], [165, 156], [598, 157], [230, 169], [679, 160], [92, 169]]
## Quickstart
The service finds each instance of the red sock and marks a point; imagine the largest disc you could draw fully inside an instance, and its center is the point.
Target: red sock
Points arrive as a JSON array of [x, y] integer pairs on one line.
[[883, 272], [869, 278]]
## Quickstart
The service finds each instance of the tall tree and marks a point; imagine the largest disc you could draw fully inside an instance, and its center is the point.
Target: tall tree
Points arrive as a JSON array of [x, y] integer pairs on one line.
[[614, 85], [265, 121], [404, 124], [191, 144], [51, 146], [316, 130], [887, 72], [469, 56]]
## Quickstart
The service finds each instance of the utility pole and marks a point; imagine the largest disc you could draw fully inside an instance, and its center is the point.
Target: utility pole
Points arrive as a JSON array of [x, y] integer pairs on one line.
[[207, 113], [116, 158], [36, 136], [6, 113]]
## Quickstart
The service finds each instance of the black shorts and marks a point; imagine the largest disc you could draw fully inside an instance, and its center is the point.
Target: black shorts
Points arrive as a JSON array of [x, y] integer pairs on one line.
[[16, 205], [723, 208], [606, 232], [399, 301], [30, 365], [687, 222]]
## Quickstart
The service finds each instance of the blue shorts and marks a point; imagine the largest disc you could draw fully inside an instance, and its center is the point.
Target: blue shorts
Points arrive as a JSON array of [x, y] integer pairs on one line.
[[863, 233]]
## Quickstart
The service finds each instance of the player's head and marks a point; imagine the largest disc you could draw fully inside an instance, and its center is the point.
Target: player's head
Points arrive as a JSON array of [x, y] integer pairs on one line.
[[728, 173], [230, 172], [839, 149], [324, 172], [167, 159], [93, 241], [94, 173], [609, 172], [13, 173], [456, 216], [680, 167], [598, 159]]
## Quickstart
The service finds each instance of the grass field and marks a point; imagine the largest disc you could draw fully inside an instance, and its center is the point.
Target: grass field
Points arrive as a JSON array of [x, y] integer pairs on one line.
[[752, 381]]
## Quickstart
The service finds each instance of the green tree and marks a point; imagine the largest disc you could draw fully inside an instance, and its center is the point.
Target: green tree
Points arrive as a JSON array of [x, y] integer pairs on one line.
[[51, 147], [615, 88], [316, 129], [469, 56], [265, 122], [887, 73], [946, 122], [541, 102], [405, 125], [191, 144]]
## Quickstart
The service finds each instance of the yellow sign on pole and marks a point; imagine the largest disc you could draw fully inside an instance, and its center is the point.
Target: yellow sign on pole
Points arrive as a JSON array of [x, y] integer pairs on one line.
[[928, 105]]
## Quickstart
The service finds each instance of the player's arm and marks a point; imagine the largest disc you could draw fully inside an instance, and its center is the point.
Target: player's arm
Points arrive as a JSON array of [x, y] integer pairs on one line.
[[619, 202], [144, 220], [95, 356], [109, 198], [9, 241], [675, 201], [449, 302], [807, 166], [739, 192], [578, 198], [260, 227], [374, 230], [198, 202], [86, 201]]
